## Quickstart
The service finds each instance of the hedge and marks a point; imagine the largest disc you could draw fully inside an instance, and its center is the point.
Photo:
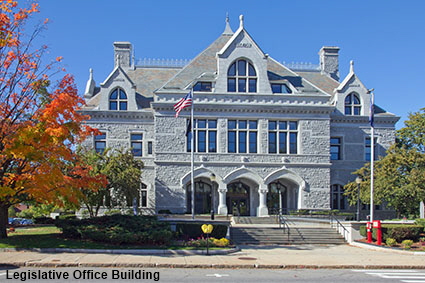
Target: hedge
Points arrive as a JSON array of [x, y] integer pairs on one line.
[[118, 229], [188, 231], [399, 232]]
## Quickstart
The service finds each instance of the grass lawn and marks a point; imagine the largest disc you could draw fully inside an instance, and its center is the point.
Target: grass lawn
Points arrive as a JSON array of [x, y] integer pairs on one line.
[[51, 237]]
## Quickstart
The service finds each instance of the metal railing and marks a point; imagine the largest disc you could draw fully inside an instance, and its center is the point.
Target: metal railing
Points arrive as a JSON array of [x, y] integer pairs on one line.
[[332, 220]]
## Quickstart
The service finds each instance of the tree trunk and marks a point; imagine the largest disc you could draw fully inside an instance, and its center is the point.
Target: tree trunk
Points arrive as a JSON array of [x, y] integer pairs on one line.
[[3, 220]]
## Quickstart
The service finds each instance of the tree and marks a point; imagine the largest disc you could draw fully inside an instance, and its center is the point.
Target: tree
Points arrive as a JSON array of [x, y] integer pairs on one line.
[[123, 173], [39, 123], [400, 175]]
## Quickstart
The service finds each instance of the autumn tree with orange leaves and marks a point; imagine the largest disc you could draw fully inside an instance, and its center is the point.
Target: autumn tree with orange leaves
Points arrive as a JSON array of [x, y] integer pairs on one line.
[[39, 124]]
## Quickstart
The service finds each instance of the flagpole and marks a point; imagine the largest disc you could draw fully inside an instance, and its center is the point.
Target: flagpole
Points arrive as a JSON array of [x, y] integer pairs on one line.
[[192, 156], [372, 157]]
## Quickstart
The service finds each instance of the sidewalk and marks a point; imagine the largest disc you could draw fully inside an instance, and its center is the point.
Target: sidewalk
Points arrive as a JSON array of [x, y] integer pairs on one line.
[[340, 256]]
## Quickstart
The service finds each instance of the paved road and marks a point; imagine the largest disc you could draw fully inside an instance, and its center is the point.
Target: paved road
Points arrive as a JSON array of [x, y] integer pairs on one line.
[[210, 275]]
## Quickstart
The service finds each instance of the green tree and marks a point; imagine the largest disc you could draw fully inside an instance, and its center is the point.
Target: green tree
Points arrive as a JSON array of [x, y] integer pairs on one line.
[[123, 173], [400, 175]]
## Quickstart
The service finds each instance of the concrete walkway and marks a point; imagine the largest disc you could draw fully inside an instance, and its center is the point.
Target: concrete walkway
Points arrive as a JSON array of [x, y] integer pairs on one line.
[[340, 256]]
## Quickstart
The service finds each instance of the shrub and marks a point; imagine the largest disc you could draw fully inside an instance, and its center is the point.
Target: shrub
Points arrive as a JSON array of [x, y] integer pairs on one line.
[[399, 232], [212, 242], [407, 244], [391, 242], [118, 229]]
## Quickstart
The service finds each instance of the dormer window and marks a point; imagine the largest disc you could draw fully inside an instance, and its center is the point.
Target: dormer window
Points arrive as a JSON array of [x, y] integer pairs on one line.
[[352, 104], [281, 88], [118, 100], [241, 77], [203, 86]]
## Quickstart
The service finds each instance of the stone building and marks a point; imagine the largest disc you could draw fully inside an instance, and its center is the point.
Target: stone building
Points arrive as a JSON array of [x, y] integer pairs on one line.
[[272, 135]]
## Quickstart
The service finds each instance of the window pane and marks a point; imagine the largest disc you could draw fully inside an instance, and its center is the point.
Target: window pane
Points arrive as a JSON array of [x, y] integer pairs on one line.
[[202, 124], [188, 141], [113, 105], [102, 136], [286, 89], [272, 142], [212, 141], [272, 125], [335, 152], [212, 124], [348, 99], [197, 87], [355, 99], [122, 94], [356, 110], [231, 85], [282, 143], [202, 141], [292, 125], [242, 142], [276, 88], [253, 142], [251, 70], [335, 140], [253, 124], [252, 85], [241, 68], [135, 137], [100, 146], [293, 143], [242, 124], [123, 105], [144, 199], [232, 142], [283, 125], [150, 148], [347, 110], [241, 85], [232, 70], [136, 148], [114, 94], [232, 124], [206, 86]]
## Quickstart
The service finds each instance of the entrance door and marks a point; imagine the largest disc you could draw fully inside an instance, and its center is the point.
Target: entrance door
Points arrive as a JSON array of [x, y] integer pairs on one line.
[[277, 198], [237, 199]]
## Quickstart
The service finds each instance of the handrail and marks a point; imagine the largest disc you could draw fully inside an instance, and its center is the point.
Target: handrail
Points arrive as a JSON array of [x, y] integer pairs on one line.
[[283, 224], [338, 224], [238, 214]]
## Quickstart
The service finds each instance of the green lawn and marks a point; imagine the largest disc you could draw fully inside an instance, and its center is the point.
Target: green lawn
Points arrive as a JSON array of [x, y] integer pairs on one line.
[[51, 237]]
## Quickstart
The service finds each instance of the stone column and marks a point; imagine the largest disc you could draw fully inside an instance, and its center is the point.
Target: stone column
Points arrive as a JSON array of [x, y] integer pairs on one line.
[[222, 206], [262, 209]]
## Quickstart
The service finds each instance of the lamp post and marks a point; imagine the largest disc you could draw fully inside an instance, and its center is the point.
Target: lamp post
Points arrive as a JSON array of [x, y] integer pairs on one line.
[[212, 179], [358, 182]]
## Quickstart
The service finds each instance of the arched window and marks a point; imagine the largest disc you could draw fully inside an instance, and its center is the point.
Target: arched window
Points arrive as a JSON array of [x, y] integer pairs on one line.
[[203, 192], [241, 77], [118, 100], [339, 200], [352, 104]]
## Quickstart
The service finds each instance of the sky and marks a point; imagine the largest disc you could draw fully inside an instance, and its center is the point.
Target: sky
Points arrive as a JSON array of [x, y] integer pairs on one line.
[[385, 38]]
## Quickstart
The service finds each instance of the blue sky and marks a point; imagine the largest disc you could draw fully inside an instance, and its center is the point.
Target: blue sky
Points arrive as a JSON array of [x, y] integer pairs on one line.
[[385, 38]]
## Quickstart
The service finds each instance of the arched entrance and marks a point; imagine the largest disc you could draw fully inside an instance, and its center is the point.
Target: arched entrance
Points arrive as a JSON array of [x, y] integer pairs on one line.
[[277, 198], [202, 197], [237, 198]]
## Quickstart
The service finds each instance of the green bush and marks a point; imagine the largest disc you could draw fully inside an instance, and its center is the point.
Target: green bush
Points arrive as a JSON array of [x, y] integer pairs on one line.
[[118, 229], [391, 242], [420, 221], [193, 231], [407, 244], [399, 232]]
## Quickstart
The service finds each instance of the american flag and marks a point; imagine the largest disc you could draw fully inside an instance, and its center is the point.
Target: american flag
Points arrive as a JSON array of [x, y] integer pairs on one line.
[[183, 103]]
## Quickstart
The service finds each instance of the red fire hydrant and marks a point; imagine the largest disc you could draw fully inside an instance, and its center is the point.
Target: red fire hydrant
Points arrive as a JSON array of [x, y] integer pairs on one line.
[[377, 225], [369, 232]]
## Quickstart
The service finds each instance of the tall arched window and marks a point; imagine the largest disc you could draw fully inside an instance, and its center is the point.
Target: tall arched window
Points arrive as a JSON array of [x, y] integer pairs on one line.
[[118, 100], [352, 104], [241, 77]]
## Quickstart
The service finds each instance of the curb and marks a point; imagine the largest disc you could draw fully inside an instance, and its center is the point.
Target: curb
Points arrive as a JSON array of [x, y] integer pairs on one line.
[[123, 251], [386, 249]]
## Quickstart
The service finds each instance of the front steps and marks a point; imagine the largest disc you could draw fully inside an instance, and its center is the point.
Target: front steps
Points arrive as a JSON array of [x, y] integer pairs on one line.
[[265, 231]]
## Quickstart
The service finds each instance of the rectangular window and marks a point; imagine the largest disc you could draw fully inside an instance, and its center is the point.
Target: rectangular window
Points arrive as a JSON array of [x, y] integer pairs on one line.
[[136, 144], [241, 85], [368, 149], [100, 142], [202, 86], [242, 136], [205, 133], [252, 85], [144, 196], [231, 85], [283, 137], [336, 148], [150, 148]]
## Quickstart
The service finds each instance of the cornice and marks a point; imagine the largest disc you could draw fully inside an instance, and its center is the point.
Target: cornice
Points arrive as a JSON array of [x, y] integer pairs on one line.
[[364, 119], [118, 115]]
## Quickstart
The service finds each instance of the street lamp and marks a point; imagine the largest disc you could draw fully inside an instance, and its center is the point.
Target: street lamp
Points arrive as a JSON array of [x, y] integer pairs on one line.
[[358, 182], [212, 179]]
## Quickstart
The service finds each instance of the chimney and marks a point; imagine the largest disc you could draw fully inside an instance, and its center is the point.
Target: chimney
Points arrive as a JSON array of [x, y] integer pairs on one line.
[[329, 62], [122, 54]]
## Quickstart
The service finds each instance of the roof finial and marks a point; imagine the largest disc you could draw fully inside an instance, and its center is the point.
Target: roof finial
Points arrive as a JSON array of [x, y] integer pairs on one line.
[[227, 30], [241, 21], [351, 66]]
